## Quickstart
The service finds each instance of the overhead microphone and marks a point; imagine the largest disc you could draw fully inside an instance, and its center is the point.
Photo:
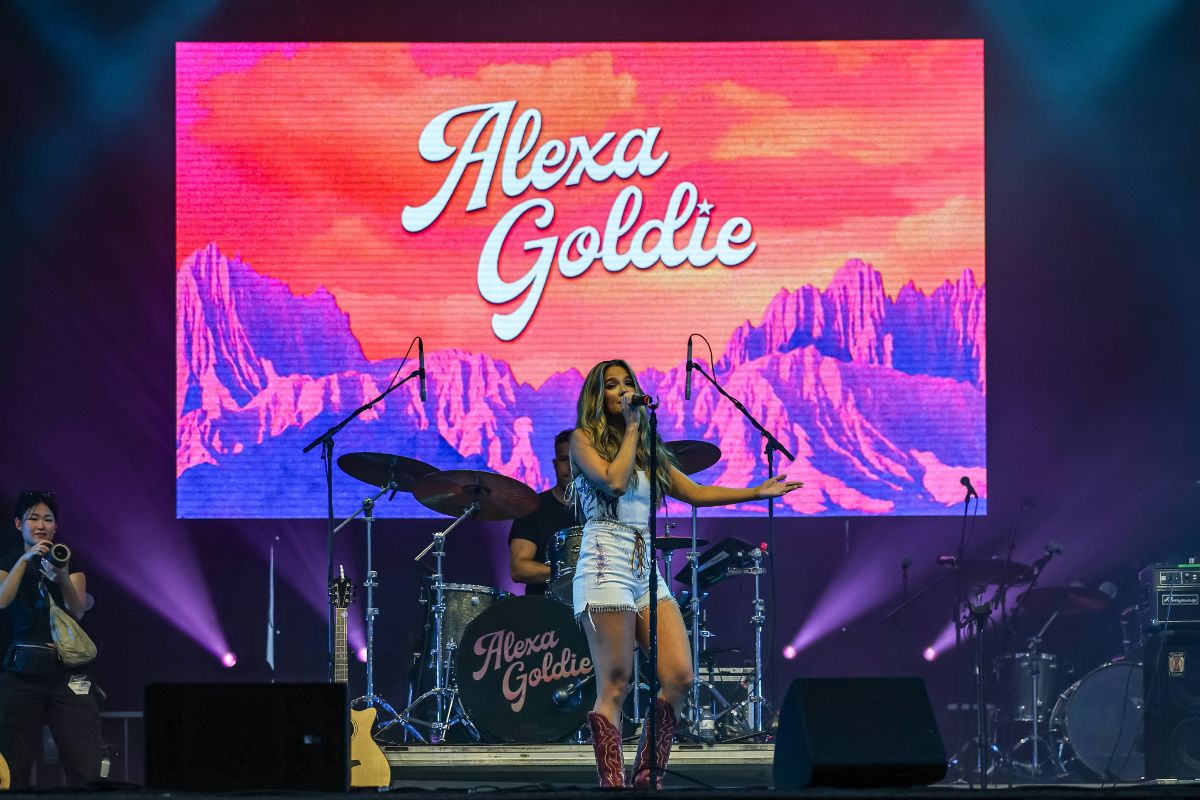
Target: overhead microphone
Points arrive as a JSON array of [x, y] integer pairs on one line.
[[421, 368], [687, 386], [965, 481], [1053, 549]]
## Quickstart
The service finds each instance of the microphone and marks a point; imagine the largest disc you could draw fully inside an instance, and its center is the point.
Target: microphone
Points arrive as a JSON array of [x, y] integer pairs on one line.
[[421, 369], [1053, 549], [965, 481], [643, 400], [687, 386], [562, 697]]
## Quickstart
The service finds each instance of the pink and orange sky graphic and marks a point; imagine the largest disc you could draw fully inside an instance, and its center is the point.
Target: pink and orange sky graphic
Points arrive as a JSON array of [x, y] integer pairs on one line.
[[302, 157]]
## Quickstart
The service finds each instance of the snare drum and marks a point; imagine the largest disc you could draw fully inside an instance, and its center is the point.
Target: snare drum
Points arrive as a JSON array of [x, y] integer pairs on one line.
[[1100, 717], [525, 672], [562, 554], [1014, 683], [464, 602]]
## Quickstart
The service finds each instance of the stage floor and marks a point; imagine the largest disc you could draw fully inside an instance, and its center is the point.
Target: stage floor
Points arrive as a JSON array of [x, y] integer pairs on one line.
[[694, 766], [697, 770]]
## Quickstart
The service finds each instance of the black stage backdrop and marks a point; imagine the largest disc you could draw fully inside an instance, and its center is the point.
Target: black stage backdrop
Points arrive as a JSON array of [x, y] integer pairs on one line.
[[1092, 195]]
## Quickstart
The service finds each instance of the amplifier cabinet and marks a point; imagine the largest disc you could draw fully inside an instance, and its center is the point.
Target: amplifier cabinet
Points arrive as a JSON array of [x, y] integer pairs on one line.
[[1170, 596]]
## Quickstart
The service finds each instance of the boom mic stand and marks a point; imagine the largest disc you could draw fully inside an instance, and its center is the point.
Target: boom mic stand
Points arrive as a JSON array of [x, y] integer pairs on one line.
[[772, 446], [326, 442]]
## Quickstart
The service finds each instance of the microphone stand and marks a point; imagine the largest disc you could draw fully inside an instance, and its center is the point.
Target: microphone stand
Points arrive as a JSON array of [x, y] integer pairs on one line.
[[325, 440], [772, 446], [652, 712], [977, 617]]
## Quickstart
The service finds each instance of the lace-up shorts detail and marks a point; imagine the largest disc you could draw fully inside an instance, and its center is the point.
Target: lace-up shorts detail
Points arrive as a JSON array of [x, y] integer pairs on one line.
[[613, 573]]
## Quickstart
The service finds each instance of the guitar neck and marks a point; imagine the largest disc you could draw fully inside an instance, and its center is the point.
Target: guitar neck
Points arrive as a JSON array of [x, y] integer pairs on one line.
[[340, 668]]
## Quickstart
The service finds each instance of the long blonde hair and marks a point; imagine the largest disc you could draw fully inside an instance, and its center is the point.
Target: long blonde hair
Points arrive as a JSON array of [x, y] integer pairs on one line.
[[593, 421]]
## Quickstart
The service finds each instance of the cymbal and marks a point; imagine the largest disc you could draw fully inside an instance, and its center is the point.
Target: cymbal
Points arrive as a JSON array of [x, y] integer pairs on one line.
[[693, 456], [1066, 600], [668, 543], [993, 572], [452, 491], [382, 469]]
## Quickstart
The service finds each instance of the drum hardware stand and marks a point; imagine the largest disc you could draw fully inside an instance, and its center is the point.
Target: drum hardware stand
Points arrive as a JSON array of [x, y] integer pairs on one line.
[[449, 707], [1034, 738], [755, 700], [771, 446], [701, 718], [370, 699]]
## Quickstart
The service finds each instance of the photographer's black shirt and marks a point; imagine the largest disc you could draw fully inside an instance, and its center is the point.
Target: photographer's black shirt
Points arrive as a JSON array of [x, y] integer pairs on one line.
[[29, 612]]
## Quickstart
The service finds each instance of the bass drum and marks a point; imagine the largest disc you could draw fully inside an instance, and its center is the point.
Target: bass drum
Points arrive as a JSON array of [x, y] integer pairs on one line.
[[1100, 720], [524, 671]]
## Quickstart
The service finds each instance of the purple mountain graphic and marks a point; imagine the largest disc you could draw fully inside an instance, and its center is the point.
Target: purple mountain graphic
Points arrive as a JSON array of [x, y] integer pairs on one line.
[[882, 401]]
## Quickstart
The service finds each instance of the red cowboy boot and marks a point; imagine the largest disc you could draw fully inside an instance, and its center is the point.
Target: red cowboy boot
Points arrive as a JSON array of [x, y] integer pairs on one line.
[[606, 742], [665, 722]]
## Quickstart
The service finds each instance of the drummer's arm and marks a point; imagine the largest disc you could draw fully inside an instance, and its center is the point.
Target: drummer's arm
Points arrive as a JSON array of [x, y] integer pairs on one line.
[[523, 565], [695, 494], [610, 476]]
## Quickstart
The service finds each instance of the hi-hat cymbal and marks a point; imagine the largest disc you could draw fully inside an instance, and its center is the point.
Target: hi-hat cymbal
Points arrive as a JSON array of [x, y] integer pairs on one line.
[[668, 543], [693, 456], [383, 469], [1066, 600], [452, 491], [993, 572]]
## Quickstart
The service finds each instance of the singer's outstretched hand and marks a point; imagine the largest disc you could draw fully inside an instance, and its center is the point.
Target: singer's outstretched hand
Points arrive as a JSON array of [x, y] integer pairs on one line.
[[777, 486]]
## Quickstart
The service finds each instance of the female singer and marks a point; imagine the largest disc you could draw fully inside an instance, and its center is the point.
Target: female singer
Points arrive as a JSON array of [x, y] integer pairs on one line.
[[610, 455]]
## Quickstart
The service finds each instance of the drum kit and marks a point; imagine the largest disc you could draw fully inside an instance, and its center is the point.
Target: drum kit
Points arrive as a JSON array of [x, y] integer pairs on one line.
[[1042, 727], [505, 668]]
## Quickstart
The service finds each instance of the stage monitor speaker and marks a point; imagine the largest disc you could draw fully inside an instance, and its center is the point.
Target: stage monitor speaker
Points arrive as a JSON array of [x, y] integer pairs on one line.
[[857, 732], [231, 737], [1172, 697]]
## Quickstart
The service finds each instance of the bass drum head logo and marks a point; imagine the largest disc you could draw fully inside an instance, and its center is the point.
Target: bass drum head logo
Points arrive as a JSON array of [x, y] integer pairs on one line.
[[521, 667]]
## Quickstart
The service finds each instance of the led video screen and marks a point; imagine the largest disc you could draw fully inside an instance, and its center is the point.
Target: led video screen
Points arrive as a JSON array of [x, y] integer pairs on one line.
[[815, 210]]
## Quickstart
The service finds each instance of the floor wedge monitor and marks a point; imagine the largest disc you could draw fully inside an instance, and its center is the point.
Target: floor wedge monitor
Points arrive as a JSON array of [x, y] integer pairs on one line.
[[857, 732]]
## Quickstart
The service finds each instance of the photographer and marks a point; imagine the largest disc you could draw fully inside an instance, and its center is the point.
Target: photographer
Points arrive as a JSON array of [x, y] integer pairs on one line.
[[36, 689]]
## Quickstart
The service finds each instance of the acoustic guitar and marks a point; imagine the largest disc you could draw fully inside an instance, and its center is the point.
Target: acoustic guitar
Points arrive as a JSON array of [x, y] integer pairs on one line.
[[369, 767]]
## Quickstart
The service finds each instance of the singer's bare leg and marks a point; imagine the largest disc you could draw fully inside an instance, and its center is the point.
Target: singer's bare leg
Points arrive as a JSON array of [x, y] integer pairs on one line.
[[610, 637], [674, 652]]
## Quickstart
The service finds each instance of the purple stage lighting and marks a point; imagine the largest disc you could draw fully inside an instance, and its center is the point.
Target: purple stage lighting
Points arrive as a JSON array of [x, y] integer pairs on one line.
[[361, 654], [789, 652], [930, 654], [229, 659]]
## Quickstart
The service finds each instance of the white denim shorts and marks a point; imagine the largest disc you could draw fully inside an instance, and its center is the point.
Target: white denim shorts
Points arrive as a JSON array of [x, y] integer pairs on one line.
[[613, 571]]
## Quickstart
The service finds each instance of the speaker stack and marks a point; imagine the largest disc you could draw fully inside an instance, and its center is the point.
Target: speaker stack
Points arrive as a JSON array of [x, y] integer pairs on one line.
[[1171, 649]]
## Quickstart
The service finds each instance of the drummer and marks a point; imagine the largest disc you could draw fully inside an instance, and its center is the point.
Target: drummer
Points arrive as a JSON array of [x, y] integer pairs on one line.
[[530, 534]]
